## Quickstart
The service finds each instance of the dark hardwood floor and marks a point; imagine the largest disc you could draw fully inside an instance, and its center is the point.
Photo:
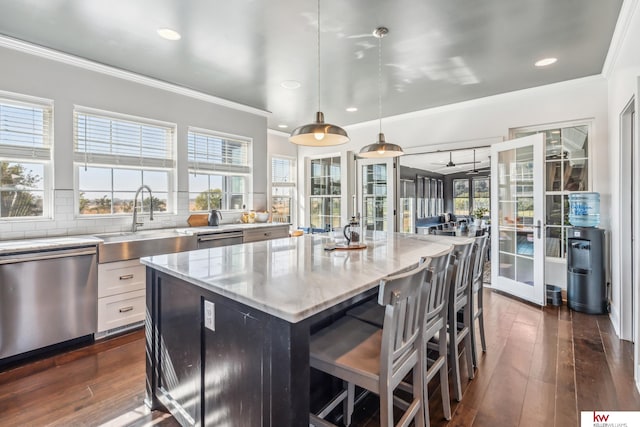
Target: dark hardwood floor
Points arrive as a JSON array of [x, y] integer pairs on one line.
[[542, 367]]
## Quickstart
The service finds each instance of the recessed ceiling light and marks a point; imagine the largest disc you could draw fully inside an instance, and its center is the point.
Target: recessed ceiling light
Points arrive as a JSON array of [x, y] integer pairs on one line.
[[169, 34], [290, 84], [352, 109], [555, 131], [546, 61], [283, 126]]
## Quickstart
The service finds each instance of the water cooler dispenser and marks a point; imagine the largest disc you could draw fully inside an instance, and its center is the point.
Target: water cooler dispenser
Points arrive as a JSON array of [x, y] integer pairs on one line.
[[586, 282], [586, 286]]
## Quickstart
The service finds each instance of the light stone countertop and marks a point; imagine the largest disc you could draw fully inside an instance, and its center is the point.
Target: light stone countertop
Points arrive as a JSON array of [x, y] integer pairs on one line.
[[295, 278], [49, 243]]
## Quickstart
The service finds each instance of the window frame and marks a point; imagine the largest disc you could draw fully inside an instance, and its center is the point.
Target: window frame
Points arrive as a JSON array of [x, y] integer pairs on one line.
[[454, 198], [332, 197], [33, 155], [115, 162], [224, 170], [291, 185]]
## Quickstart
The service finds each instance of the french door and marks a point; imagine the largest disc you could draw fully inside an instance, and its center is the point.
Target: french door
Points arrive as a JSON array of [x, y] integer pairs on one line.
[[517, 209], [376, 197]]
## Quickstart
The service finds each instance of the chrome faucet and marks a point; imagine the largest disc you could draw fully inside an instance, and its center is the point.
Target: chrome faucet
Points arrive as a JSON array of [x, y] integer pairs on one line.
[[134, 226]]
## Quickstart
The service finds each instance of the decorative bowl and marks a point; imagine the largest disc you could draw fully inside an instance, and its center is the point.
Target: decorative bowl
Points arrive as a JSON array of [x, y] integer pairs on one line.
[[262, 216]]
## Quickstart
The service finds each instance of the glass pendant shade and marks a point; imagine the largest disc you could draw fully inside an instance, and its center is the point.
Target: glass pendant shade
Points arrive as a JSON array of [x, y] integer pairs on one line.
[[319, 133], [380, 149]]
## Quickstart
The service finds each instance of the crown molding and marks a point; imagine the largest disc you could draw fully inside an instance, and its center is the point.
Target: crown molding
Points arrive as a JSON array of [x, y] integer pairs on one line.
[[278, 133], [619, 34], [65, 58]]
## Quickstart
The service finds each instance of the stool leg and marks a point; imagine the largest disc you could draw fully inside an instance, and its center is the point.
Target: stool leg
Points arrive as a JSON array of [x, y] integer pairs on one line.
[[444, 375], [349, 403]]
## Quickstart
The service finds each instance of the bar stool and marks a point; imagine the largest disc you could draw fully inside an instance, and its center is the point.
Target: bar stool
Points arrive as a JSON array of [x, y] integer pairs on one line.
[[378, 359], [476, 295], [435, 325], [459, 300], [438, 280]]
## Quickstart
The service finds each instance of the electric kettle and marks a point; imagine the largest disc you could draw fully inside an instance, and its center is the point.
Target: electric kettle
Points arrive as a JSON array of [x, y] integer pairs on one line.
[[214, 218], [352, 231]]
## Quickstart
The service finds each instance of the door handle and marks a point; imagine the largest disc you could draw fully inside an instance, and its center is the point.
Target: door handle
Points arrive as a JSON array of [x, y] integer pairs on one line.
[[539, 228]]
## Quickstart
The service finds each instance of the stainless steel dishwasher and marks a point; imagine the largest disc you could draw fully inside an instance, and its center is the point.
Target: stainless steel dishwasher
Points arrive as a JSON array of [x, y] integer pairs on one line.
[[46, 297], [224, 238]]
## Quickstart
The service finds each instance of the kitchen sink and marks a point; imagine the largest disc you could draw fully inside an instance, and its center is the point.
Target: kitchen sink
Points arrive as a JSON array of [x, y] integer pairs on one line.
[[130, 245]]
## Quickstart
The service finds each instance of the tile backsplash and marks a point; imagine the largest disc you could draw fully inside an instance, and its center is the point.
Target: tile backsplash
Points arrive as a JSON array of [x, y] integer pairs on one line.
[[65, 222]]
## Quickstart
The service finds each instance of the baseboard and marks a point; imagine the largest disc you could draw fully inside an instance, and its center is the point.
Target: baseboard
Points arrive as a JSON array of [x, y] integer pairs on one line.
[[614, 316], [117, 331]]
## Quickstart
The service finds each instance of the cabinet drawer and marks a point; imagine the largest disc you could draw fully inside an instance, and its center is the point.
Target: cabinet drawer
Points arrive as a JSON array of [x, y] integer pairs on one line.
[[119, 277], [120, 310], [265, 233]]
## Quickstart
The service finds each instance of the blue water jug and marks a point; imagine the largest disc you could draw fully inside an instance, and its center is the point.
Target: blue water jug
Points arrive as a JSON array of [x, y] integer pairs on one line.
[[584, 209]]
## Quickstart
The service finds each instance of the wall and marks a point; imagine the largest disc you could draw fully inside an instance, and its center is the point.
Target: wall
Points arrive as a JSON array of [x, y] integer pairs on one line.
[[469, 123], [623, 85], [68, 85]]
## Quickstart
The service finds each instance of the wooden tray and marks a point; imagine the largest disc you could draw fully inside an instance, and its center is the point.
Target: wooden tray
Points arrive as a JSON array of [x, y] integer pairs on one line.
[[198, 220], [350, 247]]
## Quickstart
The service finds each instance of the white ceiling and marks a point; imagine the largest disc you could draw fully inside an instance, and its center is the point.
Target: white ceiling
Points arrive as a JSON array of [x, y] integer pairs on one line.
[[437, 52]]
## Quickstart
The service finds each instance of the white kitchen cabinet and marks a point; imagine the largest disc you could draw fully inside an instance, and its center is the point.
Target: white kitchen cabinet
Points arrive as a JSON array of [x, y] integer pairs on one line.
[[121, 295]]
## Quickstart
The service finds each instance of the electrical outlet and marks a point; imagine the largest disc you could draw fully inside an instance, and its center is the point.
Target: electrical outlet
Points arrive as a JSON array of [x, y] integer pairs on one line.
[[209, 315]]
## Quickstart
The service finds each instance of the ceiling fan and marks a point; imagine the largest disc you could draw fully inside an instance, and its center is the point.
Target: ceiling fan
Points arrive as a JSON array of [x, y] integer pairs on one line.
[[473, 171], [452, 164]]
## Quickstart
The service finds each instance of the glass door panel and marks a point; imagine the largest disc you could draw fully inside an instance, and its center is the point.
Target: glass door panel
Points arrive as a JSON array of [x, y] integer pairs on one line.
[[517, 212], [375, 194]]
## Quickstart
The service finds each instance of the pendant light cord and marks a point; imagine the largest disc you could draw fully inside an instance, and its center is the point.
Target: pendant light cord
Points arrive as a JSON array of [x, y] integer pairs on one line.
[[380, 82], [319, 56]]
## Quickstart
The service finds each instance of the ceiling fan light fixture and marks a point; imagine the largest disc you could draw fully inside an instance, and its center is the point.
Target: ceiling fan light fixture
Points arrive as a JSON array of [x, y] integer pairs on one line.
[[319, 133], [450, 164], [381, 148]]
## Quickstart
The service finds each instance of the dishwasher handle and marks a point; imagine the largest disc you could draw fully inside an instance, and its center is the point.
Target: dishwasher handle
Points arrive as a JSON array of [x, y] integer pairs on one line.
[[41, 256], [218, 236]]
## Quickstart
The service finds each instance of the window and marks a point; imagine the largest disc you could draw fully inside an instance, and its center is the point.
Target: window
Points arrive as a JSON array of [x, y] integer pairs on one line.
[[219, 170], [25, 157], [283, 188], [461, 196], [325, 191], [116, 154], [566, 171], [481, 194]]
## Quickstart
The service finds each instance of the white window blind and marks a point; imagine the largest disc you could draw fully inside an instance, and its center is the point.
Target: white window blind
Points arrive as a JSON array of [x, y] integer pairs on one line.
[[112, 139], [25, 130], [282, 172], [211, 152]]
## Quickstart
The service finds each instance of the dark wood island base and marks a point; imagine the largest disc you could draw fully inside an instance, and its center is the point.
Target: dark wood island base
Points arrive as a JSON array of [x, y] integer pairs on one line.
[[248, 371]]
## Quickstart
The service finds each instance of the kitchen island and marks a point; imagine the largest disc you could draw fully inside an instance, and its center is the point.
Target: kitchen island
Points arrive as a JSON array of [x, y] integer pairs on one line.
[[228, 328]]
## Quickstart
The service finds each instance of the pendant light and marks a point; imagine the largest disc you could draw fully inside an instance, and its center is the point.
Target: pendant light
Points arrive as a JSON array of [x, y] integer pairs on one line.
[[381, 148], [319, 133]]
